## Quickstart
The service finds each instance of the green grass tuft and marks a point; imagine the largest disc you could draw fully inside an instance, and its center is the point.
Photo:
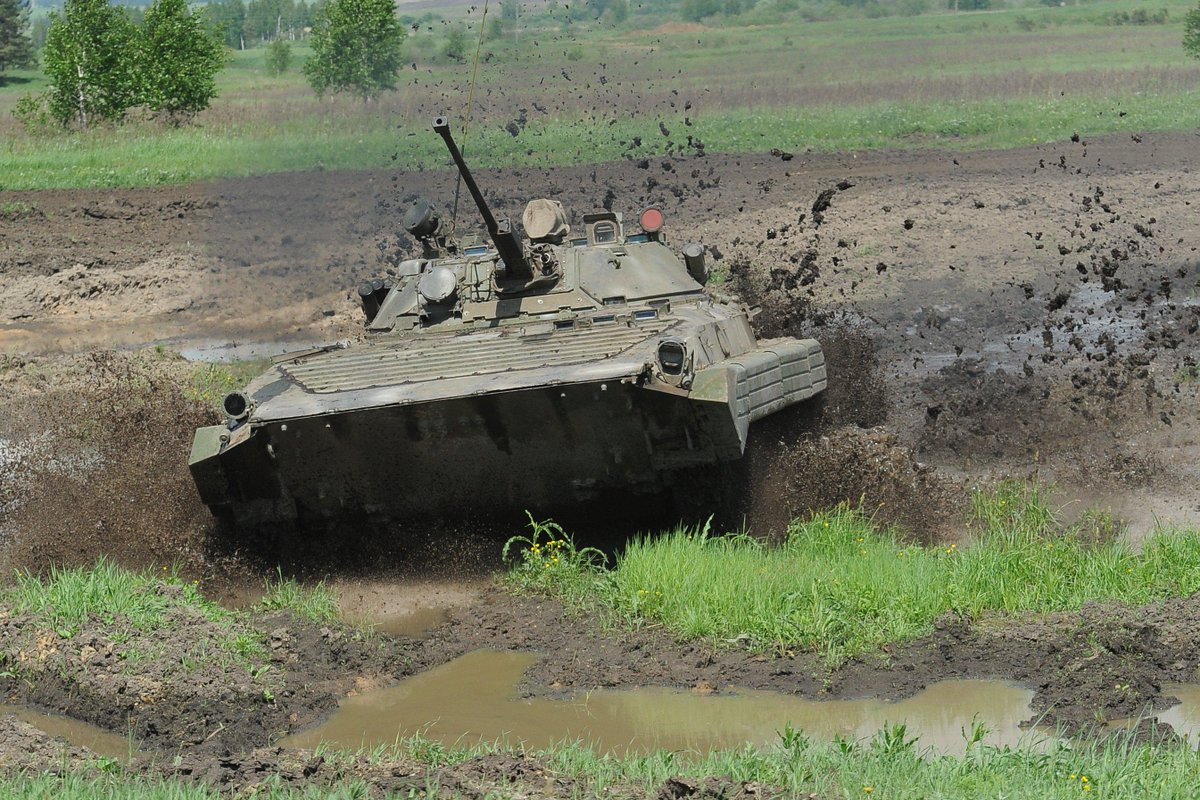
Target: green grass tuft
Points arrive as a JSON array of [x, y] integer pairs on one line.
[[67, 597], [316, 602], [210, 382]]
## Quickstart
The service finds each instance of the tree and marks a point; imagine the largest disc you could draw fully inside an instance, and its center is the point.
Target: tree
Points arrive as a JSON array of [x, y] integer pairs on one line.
[[87, 60], [228, 21], [495, 29], [456, 44], [696, 10], [279, 57], [356, 47], [178, 60], [1191, 33], [618, 11], [15, 48]]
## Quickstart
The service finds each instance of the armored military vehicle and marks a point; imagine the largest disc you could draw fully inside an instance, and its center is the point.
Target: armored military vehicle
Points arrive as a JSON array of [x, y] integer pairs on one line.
[[516, 373]]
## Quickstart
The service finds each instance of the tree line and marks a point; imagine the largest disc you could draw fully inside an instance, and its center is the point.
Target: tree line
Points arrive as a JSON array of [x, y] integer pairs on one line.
[[104, 60], [240, 24]]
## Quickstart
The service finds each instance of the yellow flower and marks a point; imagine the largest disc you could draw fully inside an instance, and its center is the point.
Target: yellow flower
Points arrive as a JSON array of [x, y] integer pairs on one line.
[[868, 789]]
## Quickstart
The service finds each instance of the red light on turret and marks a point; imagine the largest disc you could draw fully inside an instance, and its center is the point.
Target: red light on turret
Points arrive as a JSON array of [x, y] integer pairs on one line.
[[651, 220]]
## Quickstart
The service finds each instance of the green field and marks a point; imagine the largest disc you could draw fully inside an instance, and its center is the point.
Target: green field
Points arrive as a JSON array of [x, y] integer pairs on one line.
[[987, 79]]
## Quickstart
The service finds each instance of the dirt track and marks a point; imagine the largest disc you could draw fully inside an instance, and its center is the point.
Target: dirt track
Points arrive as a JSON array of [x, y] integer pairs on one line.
[[1030, 308], [1034, 310]]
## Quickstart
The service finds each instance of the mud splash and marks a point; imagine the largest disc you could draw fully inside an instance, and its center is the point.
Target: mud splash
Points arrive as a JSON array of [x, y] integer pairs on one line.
[[475, 699]]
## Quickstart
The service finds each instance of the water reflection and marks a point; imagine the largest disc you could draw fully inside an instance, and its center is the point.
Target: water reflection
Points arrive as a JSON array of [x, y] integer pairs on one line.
[[474, 699]]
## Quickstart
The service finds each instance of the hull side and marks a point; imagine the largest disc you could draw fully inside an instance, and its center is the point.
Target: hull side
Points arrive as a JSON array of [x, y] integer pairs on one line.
[[536, 449]]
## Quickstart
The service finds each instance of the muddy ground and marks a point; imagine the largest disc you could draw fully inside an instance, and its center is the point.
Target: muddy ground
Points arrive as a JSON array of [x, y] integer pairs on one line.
[[1031, 311]]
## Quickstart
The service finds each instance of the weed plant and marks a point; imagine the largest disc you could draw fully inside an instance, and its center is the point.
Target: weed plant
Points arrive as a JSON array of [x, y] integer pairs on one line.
[[550, 563], [841, 585]]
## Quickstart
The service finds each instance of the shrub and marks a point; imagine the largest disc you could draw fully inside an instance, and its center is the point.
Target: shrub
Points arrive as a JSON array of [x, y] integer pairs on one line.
[[279, 57]]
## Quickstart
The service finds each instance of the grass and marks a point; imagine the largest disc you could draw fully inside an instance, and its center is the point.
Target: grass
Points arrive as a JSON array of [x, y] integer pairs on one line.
[[887, 766], [998, 79], [131, 604], [840, 585], [316, 602], [210, 382], [66, 598]]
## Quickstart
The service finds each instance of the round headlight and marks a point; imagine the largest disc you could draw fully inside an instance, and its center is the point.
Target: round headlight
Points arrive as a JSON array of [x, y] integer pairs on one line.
[[651, 220]]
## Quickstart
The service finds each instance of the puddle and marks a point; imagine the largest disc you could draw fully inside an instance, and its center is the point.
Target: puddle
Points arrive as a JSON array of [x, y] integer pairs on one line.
[[1185, 717], [473, 699], [79, 734], [1100, 318], [236, 596]]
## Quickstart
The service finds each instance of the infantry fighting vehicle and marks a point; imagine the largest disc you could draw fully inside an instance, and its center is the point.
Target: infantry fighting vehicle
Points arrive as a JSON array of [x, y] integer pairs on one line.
[[520, 373]]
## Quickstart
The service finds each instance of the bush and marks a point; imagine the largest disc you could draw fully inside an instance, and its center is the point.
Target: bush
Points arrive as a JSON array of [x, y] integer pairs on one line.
[[32, 111], [456, 44], [1191, 33], [696, 10], [279, 57]]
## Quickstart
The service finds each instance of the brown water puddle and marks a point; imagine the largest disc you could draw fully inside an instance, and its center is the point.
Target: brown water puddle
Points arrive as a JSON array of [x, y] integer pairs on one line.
[[1183, 718], [79, 734], [474, 699]]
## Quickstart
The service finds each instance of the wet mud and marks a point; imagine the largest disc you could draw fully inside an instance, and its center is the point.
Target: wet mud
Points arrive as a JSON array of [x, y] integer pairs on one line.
[[1026, 312]]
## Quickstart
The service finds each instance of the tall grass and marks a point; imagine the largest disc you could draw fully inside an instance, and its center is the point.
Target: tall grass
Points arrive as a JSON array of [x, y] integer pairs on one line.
[[66, 598], [315, 602], [841, 585], [136, 158]]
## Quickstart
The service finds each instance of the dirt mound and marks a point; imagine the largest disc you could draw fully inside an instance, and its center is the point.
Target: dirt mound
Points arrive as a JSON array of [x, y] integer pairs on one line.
[[24, 747], [203, 683], [162, 285]]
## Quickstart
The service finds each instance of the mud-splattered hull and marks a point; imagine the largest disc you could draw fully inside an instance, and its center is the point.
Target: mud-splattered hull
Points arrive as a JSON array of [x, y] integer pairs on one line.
[[537, 449]]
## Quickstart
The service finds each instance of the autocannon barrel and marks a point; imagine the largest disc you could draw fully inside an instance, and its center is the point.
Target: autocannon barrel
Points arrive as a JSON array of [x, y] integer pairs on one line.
[[501, 231]]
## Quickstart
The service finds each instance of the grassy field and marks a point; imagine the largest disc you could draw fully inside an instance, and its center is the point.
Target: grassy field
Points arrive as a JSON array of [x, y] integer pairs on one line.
[[590, 94], [841, 585]]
